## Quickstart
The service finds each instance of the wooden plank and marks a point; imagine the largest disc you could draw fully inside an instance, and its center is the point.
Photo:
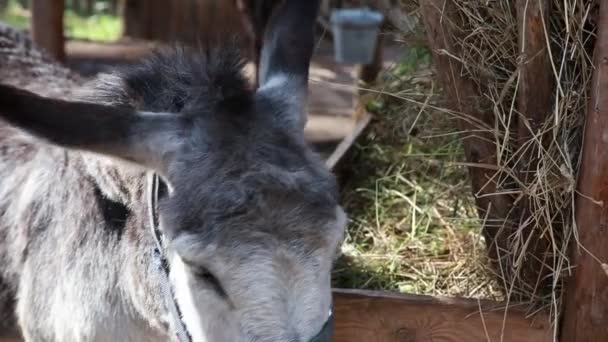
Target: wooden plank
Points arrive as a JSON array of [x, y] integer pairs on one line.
[[123, 50], [364, 316], [585, 316], [322, 128], [47, 26], [347, 142]]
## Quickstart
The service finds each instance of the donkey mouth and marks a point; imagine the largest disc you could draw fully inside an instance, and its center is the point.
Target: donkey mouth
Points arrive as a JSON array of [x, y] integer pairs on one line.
[[327, 331]]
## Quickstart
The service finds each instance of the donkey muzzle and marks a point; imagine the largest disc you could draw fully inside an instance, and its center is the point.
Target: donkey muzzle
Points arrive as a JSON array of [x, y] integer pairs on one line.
[[326, 332]]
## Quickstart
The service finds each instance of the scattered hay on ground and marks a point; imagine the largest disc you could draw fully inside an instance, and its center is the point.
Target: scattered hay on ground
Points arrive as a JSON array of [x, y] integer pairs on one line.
[[414, 227]]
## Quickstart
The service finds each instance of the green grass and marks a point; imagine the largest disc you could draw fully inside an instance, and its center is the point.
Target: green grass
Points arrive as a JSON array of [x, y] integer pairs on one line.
[[14, 15], [414, 57], [414, 227], [99, 27]]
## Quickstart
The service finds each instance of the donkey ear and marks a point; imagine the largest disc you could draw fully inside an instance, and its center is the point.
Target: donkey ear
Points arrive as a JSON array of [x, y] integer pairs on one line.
[[287, 50], [147, 139]]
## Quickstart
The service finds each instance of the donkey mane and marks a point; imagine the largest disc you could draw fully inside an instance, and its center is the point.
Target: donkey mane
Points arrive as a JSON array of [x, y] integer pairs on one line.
[[180, 78]]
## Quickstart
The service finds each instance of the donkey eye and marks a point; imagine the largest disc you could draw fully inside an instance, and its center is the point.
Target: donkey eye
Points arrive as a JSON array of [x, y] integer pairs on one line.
[[204, 274], [208, 278]]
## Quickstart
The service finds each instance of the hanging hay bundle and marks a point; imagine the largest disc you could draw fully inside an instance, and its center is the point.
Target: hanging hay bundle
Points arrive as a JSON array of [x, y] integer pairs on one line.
[[518, 74]]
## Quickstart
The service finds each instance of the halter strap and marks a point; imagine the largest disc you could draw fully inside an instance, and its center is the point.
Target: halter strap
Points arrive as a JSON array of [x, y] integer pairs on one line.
[[161, 262]]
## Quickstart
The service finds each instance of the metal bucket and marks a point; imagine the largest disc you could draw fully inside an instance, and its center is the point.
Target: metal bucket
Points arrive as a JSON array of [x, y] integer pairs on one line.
[[355, 34]]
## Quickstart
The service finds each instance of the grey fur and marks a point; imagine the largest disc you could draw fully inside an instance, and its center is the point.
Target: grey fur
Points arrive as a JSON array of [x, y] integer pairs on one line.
[[252, 217]]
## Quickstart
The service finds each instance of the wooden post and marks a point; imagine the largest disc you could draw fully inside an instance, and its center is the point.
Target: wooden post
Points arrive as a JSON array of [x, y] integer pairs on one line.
[[462, 98], [90, 7], [369, 73], [135, 18], [76, 6], [535, 103], [585, 316], [47, 27], [536, 85], [113, 8]]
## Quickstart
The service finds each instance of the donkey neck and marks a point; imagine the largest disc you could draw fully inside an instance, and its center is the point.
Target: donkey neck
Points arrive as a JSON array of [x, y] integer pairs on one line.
[[124, 185], [117, 180]]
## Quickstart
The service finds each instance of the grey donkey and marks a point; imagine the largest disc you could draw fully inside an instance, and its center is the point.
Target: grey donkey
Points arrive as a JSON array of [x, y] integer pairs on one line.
[[250, 215]]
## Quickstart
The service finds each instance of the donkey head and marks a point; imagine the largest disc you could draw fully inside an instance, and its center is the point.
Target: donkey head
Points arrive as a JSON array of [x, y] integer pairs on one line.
[[250, 214]]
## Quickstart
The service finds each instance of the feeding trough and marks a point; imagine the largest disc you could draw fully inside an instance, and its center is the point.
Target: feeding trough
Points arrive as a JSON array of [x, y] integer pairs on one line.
[[355, 34]]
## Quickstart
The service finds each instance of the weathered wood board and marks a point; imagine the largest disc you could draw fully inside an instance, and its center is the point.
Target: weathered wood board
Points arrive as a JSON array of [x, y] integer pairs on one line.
[[364, 316]]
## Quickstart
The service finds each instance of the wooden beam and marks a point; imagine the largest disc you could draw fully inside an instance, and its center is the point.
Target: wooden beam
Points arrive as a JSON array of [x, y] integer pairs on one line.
[[47, 27], [364, 316], [585, 316]]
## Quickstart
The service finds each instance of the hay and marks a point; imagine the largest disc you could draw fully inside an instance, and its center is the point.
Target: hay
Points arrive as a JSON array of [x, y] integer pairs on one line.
[[487, 41], [486, 37], [414, 227]]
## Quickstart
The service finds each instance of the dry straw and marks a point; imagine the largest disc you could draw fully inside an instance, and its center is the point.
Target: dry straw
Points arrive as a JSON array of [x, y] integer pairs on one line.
[[486, 36]]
